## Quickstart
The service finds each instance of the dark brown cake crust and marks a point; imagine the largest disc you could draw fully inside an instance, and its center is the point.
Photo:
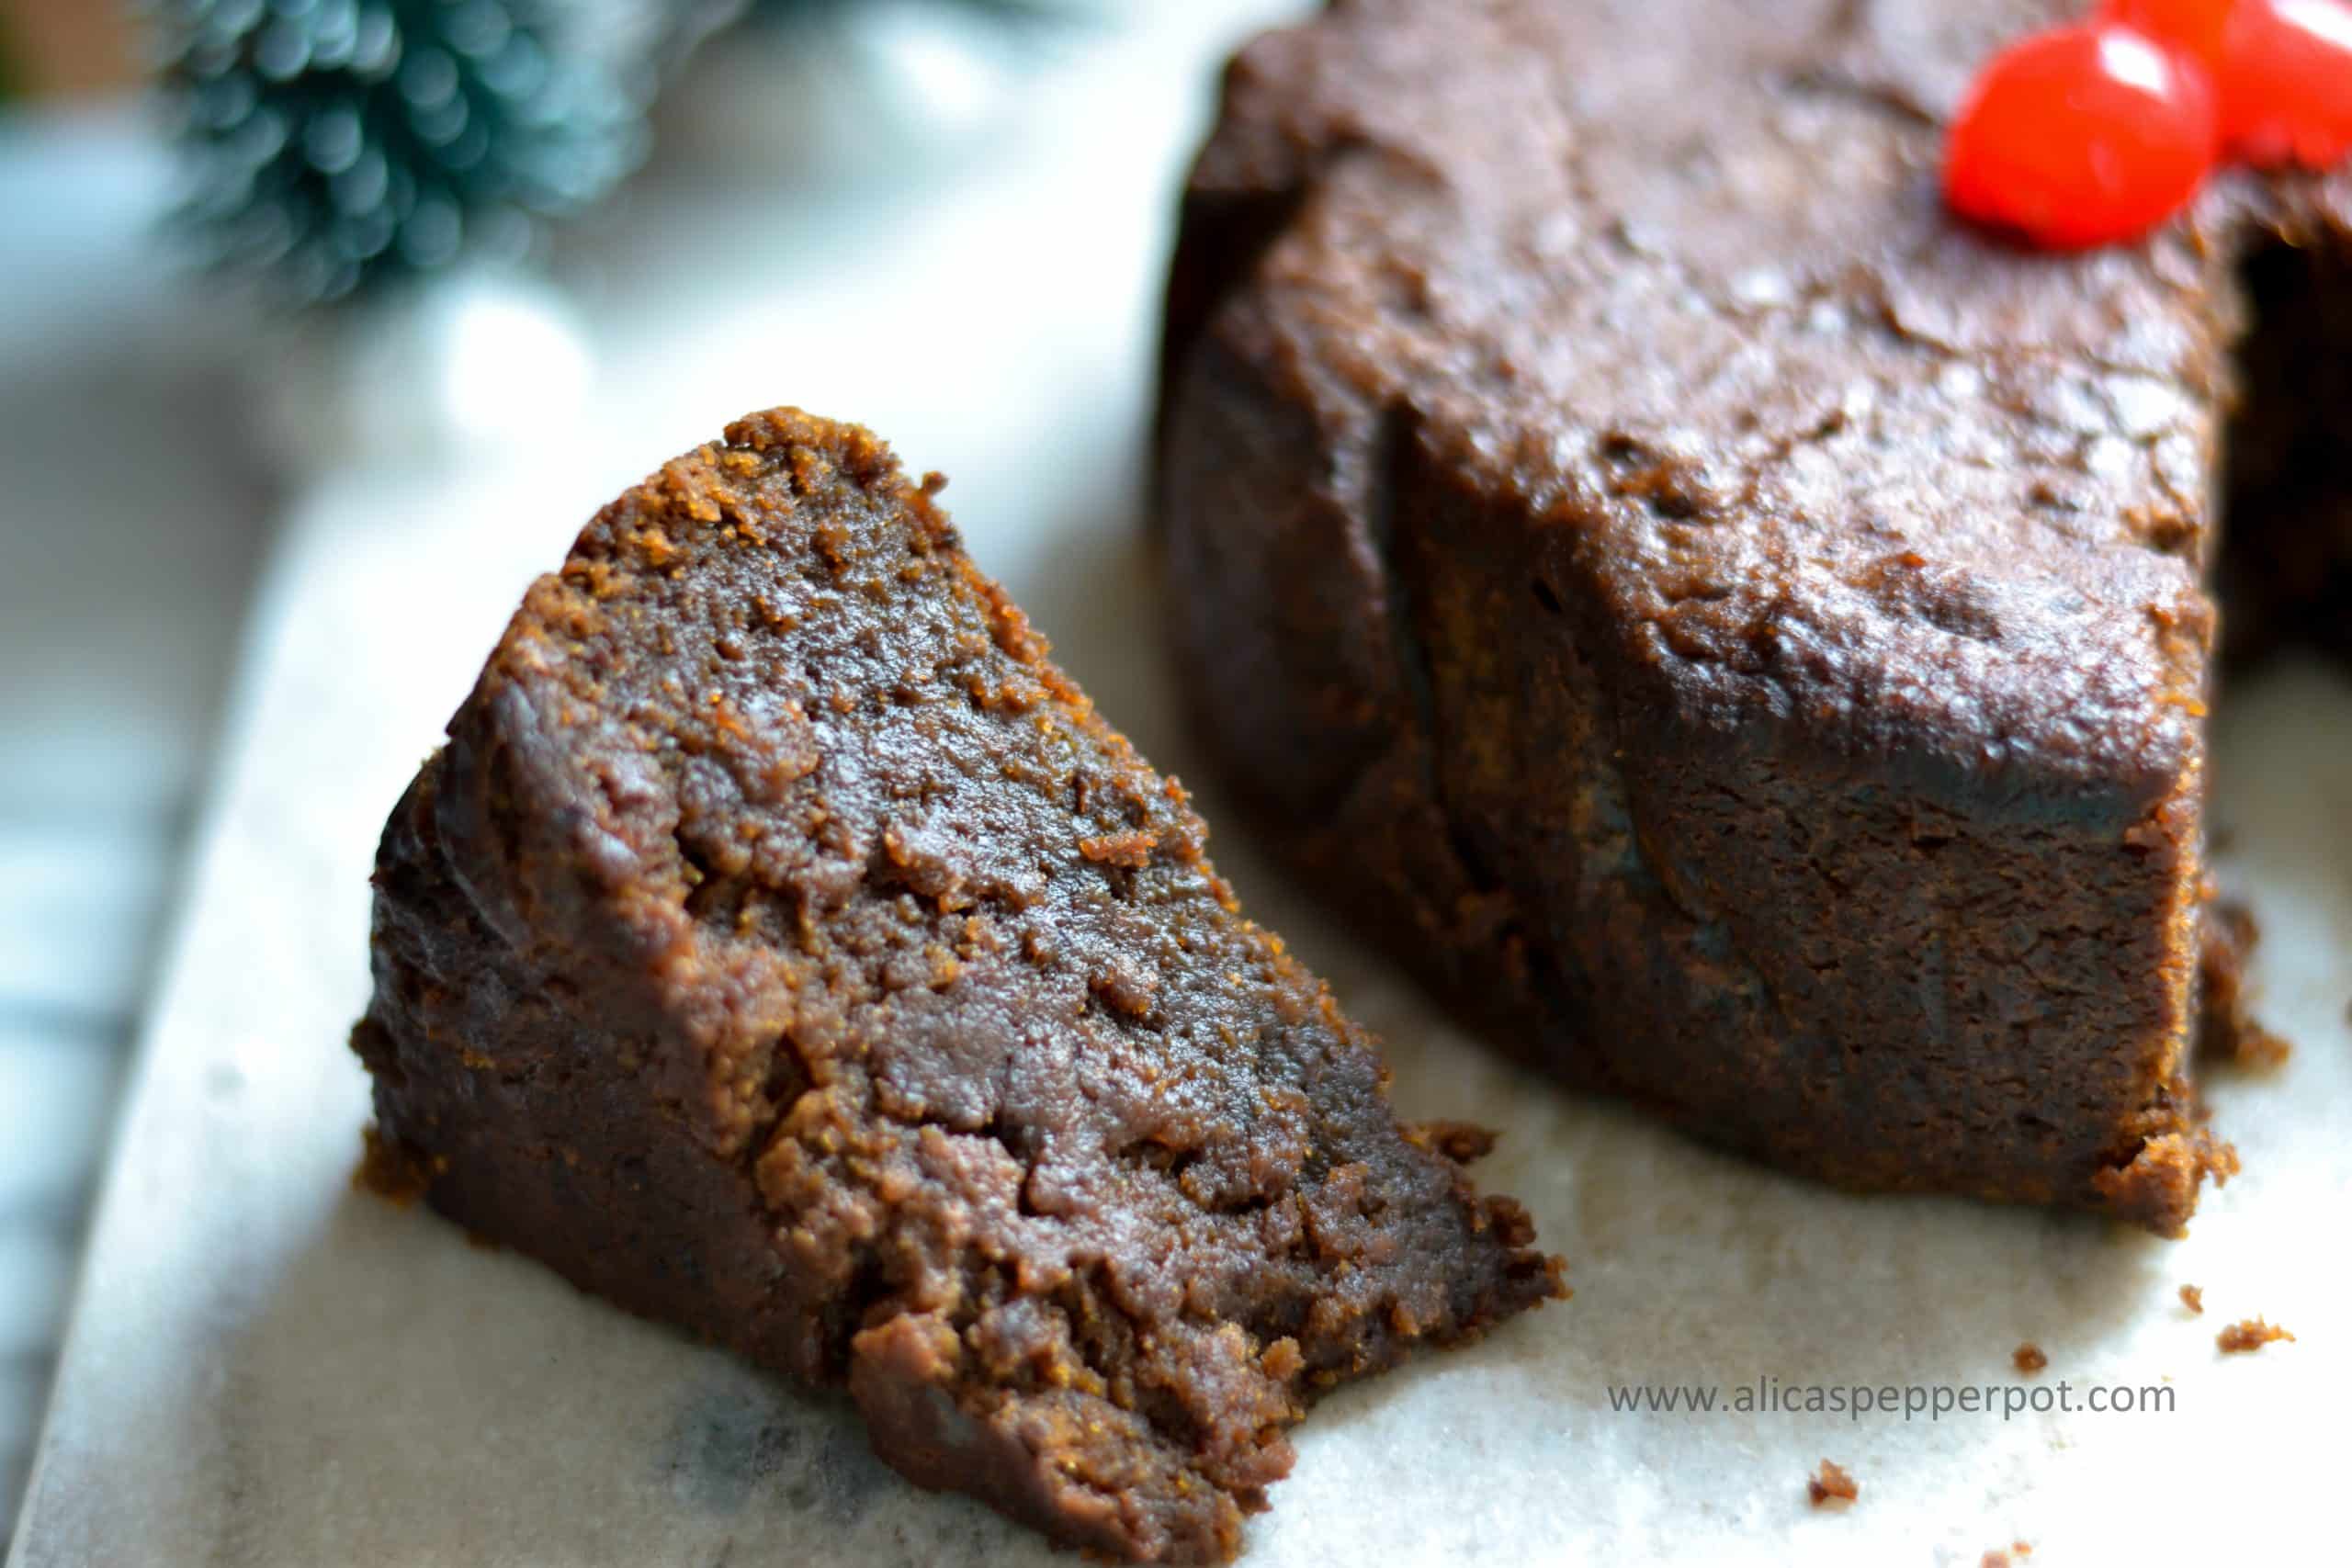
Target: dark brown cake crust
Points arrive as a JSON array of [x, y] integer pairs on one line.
[[781, 947], [1739, 630]]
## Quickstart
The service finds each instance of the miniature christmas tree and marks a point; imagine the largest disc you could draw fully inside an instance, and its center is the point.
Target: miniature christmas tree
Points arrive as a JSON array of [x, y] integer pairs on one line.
[[337, 144]]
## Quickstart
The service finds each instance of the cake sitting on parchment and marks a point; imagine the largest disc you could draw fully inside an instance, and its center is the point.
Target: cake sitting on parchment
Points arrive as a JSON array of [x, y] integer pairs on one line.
[[783, 948], [1737, 629]]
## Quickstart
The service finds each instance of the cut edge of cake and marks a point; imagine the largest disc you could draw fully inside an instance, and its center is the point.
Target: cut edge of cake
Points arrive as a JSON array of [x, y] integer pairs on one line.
[[782, 947], [1371, 481]]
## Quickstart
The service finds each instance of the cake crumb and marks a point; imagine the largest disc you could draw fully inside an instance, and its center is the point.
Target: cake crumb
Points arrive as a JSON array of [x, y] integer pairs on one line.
[[1457, 1141], [2250, 1333], [2255, 1046], [2029, 1359], [1832, 1487], [2230, 1031], [2193, 1298], [389, 1170]]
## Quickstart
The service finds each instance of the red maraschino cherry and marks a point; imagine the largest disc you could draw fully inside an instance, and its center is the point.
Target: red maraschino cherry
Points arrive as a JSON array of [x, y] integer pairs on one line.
[[2192, 26], [2082, 136], [2285, 83]]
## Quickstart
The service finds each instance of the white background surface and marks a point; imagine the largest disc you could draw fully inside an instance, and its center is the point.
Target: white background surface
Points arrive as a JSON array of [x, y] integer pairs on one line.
[[131, 521], [267, 1368]]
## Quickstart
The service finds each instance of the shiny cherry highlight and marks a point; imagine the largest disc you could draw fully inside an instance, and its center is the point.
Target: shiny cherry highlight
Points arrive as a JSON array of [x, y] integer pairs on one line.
[[2285, 83], [2083, 136]]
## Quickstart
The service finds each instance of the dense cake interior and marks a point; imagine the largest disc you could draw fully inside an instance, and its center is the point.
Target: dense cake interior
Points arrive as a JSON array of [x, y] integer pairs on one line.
[[781, 947], [1741, 633]]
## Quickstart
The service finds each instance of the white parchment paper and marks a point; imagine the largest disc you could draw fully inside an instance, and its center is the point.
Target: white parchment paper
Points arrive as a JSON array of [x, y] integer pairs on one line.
[[267, 1369]]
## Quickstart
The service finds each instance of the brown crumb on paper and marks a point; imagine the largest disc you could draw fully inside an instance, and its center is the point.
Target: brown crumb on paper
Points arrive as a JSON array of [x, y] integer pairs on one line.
[[1996, 1558], [2029, 1359], [1831, 1486], [389, 1170], [2249, 1334], [2256, 1046], [2230, 1031], [2193, 1297]]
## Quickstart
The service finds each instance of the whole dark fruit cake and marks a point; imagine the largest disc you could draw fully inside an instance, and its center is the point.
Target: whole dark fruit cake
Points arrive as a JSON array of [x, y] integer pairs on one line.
[[1740, 628]]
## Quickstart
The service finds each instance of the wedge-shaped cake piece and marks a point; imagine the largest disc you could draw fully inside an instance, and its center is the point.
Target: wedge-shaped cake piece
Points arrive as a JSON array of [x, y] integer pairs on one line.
[[782, 947]]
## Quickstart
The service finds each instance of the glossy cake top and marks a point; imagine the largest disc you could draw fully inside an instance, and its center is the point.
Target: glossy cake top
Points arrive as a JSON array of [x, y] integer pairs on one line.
[[1675, 279]]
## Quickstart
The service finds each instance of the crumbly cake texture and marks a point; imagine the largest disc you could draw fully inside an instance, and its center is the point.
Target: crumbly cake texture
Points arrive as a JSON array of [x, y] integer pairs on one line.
[[782, 947], [2230, 1031], [2249, 1335], [1741, 632]]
